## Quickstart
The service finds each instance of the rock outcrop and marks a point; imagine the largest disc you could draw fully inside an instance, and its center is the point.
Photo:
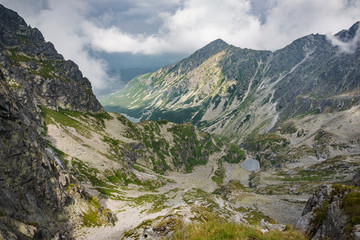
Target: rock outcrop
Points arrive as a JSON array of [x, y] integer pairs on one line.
[[37, 72], [332, 212], [36, 191]]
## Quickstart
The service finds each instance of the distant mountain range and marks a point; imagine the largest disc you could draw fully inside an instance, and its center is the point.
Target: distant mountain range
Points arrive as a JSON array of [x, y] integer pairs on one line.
[[237, 92]]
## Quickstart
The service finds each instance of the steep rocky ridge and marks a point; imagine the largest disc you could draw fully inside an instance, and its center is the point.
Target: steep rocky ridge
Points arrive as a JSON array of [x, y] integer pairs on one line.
[[236, 92], [39, 198], [333, 212], [37, 72]]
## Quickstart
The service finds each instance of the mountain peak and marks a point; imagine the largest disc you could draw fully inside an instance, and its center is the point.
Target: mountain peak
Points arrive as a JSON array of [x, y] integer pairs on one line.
[[213, 47], [218, 43], [11, 18], [201, 55], [349, 34]]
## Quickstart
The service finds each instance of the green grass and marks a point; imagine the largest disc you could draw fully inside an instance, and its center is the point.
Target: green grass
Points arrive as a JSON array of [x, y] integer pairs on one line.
[[19, 58], [96, 215], [320, 214], [269, 141], [349, 198], [84, 172], [311, 112], [111, 141], [219, 174], [234, 154], [138, 168], [254, 216], [287, 128], [91, 218], [216, 228], [157, 201], [66, 119], [351, 205], [46, 70], [307, 175]]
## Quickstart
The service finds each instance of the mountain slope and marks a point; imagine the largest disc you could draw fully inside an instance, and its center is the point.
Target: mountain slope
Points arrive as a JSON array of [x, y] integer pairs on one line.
[[236, 92], [37, 72], [38, 194], [58, 146]]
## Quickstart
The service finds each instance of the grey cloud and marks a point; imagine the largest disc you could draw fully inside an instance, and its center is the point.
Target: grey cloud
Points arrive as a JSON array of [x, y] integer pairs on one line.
[[156, 27]]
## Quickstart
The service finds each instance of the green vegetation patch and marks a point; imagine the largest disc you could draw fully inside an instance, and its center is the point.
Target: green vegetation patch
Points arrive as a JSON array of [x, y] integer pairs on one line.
[[234, 154], [158, 201], [307, 175], [189, 150], [65, 119], [287, 128], [46, 69], [322, 136], [231, 187], [91, 218], [213, 227], [96, 215], [219, 174], [349, 197], [270, 149], [351, 205], [269, 141], [254, 216], [84, 172]]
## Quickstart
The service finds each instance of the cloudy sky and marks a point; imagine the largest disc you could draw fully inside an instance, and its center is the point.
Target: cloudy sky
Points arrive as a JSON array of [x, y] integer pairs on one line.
[[104, 35]]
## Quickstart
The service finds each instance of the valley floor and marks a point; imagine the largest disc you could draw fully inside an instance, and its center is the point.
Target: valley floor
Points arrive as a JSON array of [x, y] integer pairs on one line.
[[181, 194], [140, 197]]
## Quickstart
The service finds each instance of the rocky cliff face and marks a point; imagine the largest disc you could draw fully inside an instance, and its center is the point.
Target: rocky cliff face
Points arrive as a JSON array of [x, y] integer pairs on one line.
[[235, 92], [32, 184], [37, 72], [37, 194], [333, 212]]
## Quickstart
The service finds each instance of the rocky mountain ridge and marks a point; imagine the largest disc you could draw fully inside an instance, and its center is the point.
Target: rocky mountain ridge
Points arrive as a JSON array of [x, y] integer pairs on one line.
[[38, 195], [235, 92], [37, 72], [295, 110], [333, 212]]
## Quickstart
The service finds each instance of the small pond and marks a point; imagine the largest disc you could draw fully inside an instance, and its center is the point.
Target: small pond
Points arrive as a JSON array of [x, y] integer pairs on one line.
[[250, 164], [132, 119]]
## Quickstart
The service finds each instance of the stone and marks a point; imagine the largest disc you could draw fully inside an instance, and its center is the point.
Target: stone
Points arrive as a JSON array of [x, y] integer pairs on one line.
[[33, 198]]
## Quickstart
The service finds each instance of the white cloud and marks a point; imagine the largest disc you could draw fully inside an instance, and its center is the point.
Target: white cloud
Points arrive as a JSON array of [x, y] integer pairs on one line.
[[348, 47], [197, 22], [192, 26], [176, 26], [62, 23], [289, 20]]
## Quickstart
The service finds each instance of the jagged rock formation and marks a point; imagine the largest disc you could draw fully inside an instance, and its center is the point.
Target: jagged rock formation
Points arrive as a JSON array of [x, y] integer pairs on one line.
[[333, 212], [37, 72], [37, 194], [235, 92]]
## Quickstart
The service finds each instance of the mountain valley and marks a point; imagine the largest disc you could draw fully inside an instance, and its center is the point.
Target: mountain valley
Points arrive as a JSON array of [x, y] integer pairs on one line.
[[71, 170]]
